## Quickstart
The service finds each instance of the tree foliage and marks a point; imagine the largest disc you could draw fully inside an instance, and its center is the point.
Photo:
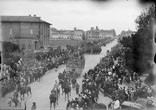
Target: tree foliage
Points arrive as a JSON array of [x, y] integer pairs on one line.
[[7, 53], [139, 45], [10, 47]]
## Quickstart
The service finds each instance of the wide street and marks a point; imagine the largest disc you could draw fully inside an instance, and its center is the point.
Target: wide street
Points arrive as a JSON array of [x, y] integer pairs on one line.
[[41, 90]]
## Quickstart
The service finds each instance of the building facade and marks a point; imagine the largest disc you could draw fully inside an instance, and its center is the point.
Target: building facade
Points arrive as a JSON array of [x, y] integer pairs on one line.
[[75, 34], [107, 33], [95, 34], [60, 34], [26, 31], [126, 33], [78, 34], [92, 34]]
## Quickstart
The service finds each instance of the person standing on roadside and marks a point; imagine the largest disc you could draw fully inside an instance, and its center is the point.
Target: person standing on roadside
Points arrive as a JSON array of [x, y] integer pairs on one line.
[[77, 88], [33, 106]]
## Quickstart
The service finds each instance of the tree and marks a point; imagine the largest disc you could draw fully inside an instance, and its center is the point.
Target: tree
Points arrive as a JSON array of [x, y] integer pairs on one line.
[[140, 43], [10, 47]]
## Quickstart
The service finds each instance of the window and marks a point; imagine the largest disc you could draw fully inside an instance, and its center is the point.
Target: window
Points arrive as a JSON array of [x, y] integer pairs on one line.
[[10, 30], [31, 31]]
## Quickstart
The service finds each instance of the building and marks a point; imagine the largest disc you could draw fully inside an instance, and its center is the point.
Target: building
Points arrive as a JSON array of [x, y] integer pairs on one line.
[[60, 34], [65, 37], [126, 33], [107, 33], [26, 31], [78, 34], [75, 34], [92, 34], [95, 34]]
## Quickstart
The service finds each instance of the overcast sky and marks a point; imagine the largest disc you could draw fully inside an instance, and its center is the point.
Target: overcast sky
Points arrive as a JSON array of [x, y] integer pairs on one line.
[[83, 14]]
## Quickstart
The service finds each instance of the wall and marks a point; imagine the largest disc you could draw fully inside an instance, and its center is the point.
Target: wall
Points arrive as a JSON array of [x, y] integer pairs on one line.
[[23, 30], [65, 42], [6, 30], [44, 34]]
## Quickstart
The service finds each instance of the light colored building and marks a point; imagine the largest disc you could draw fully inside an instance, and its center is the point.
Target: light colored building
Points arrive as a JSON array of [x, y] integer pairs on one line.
[[26, 31], [75, 34], [107, 33], [95, 34], [61, 34], [78, 34], [92, 34]]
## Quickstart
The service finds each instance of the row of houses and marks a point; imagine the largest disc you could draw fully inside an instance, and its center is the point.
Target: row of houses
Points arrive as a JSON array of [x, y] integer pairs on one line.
[[79, 34], [99, 34], [35, 33], [66, 34]]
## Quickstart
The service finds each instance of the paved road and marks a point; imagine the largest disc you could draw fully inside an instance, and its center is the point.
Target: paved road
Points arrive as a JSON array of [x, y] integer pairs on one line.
[[41, 90]]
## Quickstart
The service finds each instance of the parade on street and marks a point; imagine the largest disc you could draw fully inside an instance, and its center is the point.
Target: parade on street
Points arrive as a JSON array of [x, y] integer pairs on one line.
[[42, 89], [77, 55]]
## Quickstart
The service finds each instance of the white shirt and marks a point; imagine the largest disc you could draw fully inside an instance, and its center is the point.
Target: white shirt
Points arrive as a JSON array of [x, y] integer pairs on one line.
[[116, 104]]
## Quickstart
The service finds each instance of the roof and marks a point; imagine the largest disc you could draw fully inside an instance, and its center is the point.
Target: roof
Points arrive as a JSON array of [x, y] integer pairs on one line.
[[22, 19]]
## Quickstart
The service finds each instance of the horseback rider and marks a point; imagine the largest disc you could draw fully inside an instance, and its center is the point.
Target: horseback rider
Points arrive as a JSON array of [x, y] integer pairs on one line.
[[15, 94], [77, 88], [56, 85], [53, 98]]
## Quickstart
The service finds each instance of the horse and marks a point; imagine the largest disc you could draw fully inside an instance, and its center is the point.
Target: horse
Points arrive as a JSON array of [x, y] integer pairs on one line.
[[67, 91], [25, 90], [56, 90], [53, 99]]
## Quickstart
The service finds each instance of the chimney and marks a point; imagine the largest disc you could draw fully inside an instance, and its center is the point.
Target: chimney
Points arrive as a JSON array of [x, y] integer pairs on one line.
[[34, 15], [29, 14], [74, 28]]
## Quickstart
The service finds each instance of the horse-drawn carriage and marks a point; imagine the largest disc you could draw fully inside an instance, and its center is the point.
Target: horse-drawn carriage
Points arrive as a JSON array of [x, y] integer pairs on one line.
[[75, 66]]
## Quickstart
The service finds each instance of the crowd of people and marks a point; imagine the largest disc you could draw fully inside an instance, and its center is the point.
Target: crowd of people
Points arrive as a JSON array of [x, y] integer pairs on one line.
[[24, 75], [20, 73], [110, 77]]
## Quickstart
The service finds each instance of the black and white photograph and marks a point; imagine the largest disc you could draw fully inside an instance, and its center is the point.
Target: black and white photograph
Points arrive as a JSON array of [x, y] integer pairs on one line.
[[77, 55]]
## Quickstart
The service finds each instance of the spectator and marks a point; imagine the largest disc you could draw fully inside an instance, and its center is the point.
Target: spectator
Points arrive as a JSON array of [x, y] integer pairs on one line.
[[33, 106], [77, 88]]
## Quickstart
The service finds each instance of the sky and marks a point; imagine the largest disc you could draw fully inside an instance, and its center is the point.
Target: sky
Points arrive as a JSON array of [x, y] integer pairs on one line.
[[82, 14]]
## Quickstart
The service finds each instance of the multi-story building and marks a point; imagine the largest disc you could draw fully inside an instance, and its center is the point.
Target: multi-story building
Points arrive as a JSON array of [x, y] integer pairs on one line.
[[92, 34], [60, 34], [26, 31], [107, 33], [78, 34], [95, 34]]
